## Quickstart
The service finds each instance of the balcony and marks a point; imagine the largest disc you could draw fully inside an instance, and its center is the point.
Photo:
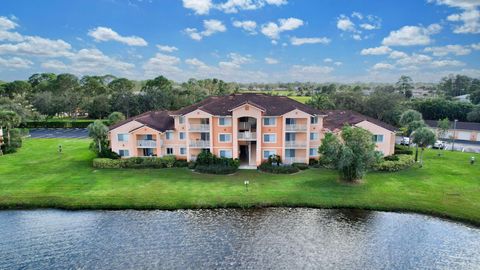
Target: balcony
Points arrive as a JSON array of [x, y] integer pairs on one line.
[[199, 144], [295, 144], [290, 160], [246, 125], [199, 127], [247, 136], [146, 144], [295, 127]]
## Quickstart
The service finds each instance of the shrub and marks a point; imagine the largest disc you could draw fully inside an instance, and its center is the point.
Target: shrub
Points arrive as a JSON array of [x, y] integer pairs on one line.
[[283, 169], [403, 150], [209, 163], [391, 158], [180, 163], [106, 163], [215, 169], [15, 142], [300, 166], [139, 162], [191, 165], [313, 162], [403, 162]]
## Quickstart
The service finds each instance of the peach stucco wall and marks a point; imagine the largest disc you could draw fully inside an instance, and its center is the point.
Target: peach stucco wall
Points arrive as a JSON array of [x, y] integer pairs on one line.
[[246, 110], [387, 147], [124, 129]]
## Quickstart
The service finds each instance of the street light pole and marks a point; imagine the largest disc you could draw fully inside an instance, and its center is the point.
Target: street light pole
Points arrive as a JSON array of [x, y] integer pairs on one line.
[[454, 131]]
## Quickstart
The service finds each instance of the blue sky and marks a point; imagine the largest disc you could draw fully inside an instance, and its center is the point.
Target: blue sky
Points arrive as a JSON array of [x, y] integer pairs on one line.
[[242, 40]]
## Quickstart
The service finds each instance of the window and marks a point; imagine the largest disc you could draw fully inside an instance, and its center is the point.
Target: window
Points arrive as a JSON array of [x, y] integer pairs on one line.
[[123, 153], [313, 136], [269, 121], [313, 152], [290, 121], [169, 135], [181, 135], [224, 137], [149, 137], [226, 153], [181, 119], [290, 137], [290, 153], [269, 138], [183, 151], [378, 138], [169, 151], [224, 121], [314, 120], [122, 137], [268, 153]]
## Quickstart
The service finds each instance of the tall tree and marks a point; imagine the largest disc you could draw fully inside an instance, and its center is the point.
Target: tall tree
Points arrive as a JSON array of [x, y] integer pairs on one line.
[[352, 155], [412, 120], [122, 98], [158, 94], [9, 120], [405, 86], [321, 102], [423, 137], [443, 125], [99, 133]]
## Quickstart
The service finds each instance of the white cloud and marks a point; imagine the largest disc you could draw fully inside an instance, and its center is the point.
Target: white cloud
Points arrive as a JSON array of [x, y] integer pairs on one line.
[[382, 66], [273, 30], [235, 61], [15, 63], [368, 26], [93, 61], [248, 26], [210, 27], [308, 72], [376, 51], [166, 48], [475, 46], [233, 6], [338, 63], [195, 62], [37, 46], [411, 35], [106, 34], [447, 63], [357, 15], [201, 7], [397, 54], [328, 60], [56, 65], [414, 60], [449, 49], [469, 17], [345, 24], [300, 41], [271, 61], [162, 64], [7, 24]]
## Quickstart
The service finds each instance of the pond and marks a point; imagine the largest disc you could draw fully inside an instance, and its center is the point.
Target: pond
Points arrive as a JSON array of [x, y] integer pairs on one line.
[[273, 238]]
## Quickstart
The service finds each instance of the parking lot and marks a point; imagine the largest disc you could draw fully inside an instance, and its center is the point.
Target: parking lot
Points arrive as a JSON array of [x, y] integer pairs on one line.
[[459, 146], [73, 133]]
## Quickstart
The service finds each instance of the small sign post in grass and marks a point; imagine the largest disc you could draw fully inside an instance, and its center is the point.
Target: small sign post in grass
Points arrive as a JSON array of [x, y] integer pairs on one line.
[[246, 182]]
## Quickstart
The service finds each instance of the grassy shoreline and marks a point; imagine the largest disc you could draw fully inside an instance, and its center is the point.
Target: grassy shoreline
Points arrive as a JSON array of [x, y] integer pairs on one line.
[[38, 177]]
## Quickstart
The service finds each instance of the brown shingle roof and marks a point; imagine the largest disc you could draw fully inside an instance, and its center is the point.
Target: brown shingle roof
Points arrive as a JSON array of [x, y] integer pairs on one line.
[[273, 105], [336, 119], [460, 125], [158, 120]]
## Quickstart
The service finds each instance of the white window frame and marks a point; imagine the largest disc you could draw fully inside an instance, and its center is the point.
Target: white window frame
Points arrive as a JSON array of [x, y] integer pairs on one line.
[[123, 134], [315, 152], [184, 136], [270, 151], [226, 150], [274, 135], [288, 150], [314, 120], [166, 135], [181, 120], [269, 125], [173, 151], [229, 134], [184, 152], [316, 137], [224, 119], [128, 152], [376, 136]]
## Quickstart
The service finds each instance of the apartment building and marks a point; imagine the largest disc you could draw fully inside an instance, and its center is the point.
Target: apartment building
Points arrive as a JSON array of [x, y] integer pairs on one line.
[[250, 127]]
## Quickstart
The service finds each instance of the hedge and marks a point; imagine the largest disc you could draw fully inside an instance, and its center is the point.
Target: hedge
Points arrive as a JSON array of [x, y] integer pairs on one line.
[[59, 124], [215, 169], [282, 169], [300, 166], [139, 162], [403, 150], [209, 163], [392, 165]]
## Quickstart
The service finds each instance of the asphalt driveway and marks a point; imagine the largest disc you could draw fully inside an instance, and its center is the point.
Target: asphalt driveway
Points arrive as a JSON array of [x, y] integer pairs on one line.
[[73, 133]]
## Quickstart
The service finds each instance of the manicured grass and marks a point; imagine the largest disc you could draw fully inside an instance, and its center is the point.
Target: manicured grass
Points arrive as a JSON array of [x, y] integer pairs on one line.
[[37, 176]]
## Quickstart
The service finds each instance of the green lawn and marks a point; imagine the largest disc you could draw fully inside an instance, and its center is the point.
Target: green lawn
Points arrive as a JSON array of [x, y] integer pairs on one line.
[[37, 176]]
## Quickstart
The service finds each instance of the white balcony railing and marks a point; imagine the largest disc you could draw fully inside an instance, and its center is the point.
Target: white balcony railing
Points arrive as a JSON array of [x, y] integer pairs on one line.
[[296, 127], [200, 144], [146, 144], [200, 127], [247, 136], [290, 160], [245, 125], [295, 144]]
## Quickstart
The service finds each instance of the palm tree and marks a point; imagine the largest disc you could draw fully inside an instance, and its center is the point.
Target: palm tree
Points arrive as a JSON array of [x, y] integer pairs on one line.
[[9, 120], [423, 137], [99, 133]]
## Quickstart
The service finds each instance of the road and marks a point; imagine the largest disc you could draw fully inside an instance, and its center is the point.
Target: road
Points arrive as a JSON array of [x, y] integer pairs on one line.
[[74, 133]]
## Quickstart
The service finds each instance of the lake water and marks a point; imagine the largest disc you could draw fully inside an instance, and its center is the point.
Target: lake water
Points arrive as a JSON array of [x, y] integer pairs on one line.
[[271, 238]]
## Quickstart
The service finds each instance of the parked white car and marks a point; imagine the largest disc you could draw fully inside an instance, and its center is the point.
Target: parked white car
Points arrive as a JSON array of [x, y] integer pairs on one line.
[[405, 141], [439, 145]]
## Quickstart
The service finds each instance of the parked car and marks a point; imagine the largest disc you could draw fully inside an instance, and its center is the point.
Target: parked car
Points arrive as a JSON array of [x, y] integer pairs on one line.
[[439, 145], [405, 141]]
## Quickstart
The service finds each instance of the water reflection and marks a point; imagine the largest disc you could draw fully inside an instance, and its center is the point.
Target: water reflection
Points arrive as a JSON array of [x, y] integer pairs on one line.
[[286, 238]]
